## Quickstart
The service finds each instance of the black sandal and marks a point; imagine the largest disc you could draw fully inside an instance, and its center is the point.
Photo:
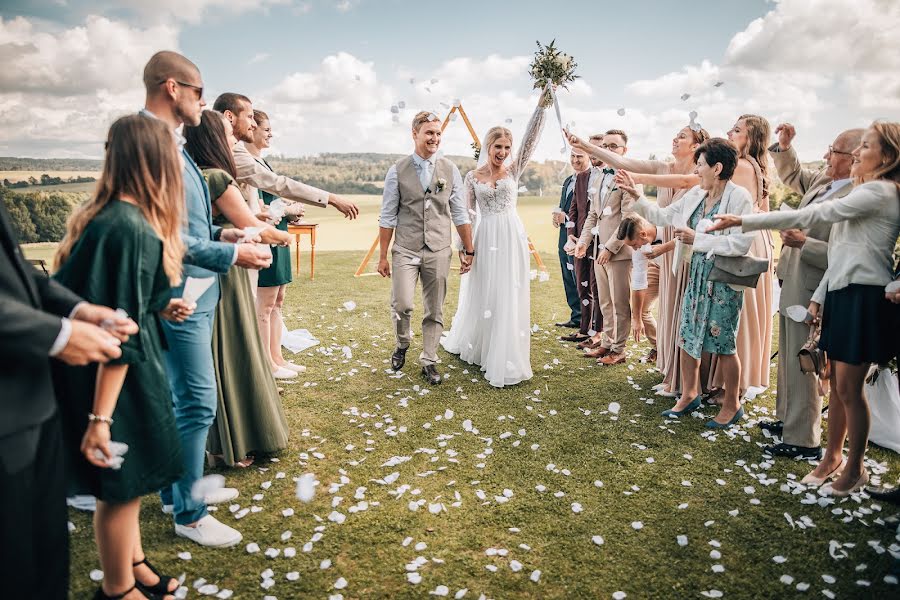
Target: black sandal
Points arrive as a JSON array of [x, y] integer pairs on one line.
[[161, 588], [101, 595]]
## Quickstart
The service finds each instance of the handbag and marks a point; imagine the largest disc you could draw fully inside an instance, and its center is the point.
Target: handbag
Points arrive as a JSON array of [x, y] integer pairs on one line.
[[812, 358], [738, 270]]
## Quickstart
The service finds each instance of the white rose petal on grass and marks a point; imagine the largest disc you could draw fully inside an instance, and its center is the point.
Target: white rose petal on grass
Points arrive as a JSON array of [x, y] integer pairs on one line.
[[340, 584], [637, 525], [786, 579], [535, 575], [292, 576], [598, 540], [441, 590], [682, 540], [349, 305], [306, 487], [515, 565], [712, 594], [252, 548], [184, 555], [619, 595], [614, 408], [96, 575], [576, 507], [414, 578], [206, 485]]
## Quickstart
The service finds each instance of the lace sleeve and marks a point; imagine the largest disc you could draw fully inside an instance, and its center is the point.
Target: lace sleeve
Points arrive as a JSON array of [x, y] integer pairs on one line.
[[471, 206], [529, 141]]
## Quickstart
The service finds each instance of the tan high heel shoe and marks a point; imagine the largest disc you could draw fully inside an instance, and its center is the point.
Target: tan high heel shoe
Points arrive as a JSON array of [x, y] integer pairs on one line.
[[830, 490], [814, 481]]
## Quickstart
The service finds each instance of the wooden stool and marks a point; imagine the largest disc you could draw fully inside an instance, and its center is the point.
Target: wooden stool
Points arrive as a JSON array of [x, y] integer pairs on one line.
[[297, 231]]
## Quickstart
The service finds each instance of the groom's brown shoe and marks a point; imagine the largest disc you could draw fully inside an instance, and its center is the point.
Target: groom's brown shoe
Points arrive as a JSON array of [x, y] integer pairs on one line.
[[398, 358], [431, 374]]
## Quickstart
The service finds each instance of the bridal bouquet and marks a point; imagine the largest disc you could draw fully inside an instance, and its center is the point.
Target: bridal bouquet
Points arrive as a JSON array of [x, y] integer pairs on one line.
[[550, 66]]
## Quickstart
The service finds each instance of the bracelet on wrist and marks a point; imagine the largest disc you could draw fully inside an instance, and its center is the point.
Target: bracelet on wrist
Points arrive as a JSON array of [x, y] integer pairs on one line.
[[92, 418]]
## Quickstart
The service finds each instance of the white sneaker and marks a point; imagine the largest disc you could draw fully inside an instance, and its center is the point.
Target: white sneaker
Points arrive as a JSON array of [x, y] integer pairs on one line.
[[283, 373], [294, 367], [210, 532], [215, 497], [221, 495]]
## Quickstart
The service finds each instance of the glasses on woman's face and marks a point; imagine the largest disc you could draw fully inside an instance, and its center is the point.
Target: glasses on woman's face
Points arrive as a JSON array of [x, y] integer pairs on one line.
[[831, 150]]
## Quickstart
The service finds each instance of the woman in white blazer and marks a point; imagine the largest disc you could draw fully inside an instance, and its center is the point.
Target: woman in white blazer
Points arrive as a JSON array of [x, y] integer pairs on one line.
[[710, 310], [859, 325]]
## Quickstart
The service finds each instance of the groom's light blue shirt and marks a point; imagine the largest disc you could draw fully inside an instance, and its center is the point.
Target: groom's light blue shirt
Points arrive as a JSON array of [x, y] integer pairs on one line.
[[390, 203]]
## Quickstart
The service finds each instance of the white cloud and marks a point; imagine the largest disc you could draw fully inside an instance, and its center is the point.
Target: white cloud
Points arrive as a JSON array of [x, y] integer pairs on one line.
[[193, 11], [61, 89], [101, 54], [258, 58]]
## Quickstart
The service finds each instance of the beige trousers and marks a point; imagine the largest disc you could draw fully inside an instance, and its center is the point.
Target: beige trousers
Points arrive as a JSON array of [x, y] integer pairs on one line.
[[651, 294], [407, 267], [614, 288], [797, 400]]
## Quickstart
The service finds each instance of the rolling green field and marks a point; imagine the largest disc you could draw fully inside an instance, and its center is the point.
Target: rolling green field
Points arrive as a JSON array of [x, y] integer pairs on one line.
[[567, 486]]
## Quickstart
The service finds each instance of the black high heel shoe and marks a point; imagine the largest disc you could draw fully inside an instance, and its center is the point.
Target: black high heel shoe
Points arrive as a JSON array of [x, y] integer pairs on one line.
[[160, 589], [101, 595]]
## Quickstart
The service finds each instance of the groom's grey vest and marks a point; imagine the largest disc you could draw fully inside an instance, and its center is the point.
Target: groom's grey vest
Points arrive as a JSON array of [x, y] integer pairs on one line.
[[423, 220]]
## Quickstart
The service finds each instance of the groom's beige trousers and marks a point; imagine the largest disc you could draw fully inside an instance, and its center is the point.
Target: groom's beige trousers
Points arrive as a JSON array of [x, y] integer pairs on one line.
[[433, 268]]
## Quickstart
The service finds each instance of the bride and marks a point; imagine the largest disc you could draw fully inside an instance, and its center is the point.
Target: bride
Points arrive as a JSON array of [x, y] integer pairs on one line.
[[492, 325]]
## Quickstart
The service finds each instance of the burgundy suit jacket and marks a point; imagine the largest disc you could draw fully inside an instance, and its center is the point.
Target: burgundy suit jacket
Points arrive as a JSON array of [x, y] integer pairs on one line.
[[581, 204]]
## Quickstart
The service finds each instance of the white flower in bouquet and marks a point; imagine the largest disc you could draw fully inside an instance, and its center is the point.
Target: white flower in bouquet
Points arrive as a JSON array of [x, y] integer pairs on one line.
[[550, 66]]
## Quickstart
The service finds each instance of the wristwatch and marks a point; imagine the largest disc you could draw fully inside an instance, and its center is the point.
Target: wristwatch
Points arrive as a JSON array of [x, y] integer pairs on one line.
[[467, 253]]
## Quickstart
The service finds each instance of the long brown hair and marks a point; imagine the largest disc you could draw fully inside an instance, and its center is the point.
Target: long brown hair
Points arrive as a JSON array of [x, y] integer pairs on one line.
[[142, 162], [758, 133], [207, 143], [889, 139]]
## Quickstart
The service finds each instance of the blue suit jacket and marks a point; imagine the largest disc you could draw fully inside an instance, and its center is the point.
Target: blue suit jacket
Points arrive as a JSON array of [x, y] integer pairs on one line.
[[203, 256]]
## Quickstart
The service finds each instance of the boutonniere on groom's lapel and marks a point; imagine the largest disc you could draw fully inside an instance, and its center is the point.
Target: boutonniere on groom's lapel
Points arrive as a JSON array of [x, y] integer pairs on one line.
[[441, 182]]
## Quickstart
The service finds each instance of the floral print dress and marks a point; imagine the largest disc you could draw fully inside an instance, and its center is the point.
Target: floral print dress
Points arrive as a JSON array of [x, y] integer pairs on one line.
[[711, 309]]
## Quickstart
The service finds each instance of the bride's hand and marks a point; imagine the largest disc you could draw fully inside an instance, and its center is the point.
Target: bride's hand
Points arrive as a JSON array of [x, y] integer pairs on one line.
[[625, 182], [576, 142]]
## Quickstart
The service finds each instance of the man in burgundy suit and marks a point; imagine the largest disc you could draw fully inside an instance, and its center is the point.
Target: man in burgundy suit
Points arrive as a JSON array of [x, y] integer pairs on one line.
[[591, 319]]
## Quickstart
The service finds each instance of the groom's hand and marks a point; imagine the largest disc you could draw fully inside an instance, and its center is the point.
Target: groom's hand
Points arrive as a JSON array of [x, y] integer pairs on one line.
[[384, 267]]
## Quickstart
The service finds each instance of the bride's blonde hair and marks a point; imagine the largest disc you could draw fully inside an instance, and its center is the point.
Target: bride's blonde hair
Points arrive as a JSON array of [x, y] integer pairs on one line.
[[142, 161]]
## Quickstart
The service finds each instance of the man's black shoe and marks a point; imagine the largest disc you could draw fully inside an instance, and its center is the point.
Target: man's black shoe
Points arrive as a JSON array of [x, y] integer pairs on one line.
[[570, 324], [398, 358], [791, 451], [431, 374], [891, 495], [775, 427]]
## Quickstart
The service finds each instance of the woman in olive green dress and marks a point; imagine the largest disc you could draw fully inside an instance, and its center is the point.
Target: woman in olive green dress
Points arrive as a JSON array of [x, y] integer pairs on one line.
[[274, 280], [249, 419], [123, 249]]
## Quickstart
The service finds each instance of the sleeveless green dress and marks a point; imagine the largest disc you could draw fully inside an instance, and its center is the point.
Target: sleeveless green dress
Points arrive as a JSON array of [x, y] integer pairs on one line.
[[249, 417], [279, 273], [117, 262]]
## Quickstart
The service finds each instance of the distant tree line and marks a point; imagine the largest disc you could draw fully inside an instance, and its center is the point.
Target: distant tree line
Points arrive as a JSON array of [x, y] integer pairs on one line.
[[46, 180], [14, 163], [40, 216]]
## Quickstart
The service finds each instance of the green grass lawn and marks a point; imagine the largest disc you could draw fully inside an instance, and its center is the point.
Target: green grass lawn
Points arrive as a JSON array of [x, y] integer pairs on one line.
[[349, 417]]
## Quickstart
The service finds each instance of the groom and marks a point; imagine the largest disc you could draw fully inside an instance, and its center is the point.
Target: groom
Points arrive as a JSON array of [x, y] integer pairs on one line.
[[423, 193]]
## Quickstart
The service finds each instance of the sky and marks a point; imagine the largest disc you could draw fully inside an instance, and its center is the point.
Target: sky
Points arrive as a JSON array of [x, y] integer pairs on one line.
[[328, 71]]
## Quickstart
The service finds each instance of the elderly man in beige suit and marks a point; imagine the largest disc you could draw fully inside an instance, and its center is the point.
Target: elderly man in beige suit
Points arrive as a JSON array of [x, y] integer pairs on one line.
[[423, 195], [804, 258], [612, 265]]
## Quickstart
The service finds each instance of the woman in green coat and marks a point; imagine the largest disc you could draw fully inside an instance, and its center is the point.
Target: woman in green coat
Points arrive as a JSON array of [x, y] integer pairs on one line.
[[123, 249], [249, 419]]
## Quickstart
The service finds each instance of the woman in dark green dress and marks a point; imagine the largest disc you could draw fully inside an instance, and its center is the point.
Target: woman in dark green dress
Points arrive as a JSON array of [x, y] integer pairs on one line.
[[274, 280], [249, 419], [123, 249]]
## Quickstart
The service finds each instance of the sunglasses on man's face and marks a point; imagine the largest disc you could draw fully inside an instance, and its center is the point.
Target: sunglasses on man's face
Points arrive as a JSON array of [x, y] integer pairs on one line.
[[199, 88]]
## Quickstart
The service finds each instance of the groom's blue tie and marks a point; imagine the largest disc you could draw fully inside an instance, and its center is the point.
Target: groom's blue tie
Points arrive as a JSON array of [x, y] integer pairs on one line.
[[425, 173]]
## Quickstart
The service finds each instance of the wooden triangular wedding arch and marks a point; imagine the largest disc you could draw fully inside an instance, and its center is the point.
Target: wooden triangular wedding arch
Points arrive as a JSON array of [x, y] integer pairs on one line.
[[361, 271]]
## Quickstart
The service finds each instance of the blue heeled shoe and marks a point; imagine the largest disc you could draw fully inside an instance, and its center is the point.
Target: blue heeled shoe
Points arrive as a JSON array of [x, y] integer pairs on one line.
[[694, 405], [712, 424]]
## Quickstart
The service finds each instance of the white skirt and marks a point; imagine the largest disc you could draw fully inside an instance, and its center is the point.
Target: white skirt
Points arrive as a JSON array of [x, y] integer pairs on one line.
[[492, 325]]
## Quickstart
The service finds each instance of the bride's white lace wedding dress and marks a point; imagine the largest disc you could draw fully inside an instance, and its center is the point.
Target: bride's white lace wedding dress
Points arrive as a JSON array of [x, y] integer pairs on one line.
[[492, 325]]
